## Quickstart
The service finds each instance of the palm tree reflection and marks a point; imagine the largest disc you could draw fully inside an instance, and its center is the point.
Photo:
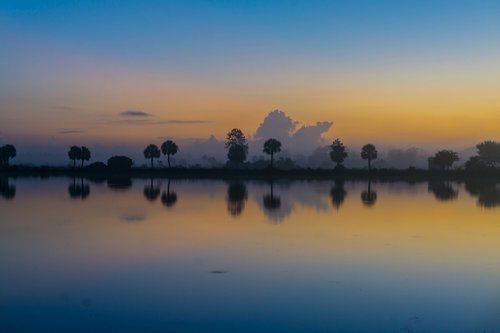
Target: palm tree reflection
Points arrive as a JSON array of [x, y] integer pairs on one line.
[[236, 196], [168, 198], [7, 190], [369, 197], [338, 193], [151, 191], [78, 190]]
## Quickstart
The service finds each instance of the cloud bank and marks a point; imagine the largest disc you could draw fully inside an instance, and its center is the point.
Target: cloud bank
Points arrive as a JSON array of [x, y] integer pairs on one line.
[[294, 138]]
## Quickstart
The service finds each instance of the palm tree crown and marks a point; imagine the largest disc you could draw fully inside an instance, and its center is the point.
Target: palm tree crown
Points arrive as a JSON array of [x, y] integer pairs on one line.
[[169, 148], [152, 151]]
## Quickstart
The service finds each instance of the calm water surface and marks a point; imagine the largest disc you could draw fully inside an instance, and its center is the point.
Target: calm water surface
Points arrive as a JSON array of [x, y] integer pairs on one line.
[[141, 255]]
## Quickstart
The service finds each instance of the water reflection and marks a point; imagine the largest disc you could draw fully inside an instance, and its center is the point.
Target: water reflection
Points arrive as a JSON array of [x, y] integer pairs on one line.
[[338, 193], [272, 205], [120, 268], [119, 183], [78, 189], [7, 190], [168, 198], [486, 191], [369, 197], [237, 195], [151, 191], [442, 190]]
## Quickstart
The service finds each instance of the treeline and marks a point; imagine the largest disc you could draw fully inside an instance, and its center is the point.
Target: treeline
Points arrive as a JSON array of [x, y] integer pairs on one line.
[[236, 144]]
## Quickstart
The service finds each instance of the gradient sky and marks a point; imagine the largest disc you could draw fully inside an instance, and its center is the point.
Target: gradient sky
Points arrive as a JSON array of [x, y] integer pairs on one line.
[[424, 73]]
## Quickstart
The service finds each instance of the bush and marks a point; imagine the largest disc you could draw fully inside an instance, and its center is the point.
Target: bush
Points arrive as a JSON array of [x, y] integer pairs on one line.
[[120, 163], [97, 166]]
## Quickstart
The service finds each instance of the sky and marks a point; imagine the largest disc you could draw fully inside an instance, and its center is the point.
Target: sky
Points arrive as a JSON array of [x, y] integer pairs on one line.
[[124, 73]]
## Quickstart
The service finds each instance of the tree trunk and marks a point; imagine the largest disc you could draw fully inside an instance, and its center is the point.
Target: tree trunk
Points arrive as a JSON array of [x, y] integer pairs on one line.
[[74, 163], [369, 164], [151, 163], [82, 162], [272, 160], [168, 160]]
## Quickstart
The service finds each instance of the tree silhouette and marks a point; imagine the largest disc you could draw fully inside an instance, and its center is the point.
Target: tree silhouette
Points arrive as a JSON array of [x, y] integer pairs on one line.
[[338, 153], [369, 152], [237, 146], [444, 159], [169, 148], [236, 196], [7, 152], [475, 164], [7, 191], [117, 163], [74, 154], [151, 191], [85, 154], [169, 198], [151, 152], [369, 197], [489, 152], [338, 193], [271, 147]]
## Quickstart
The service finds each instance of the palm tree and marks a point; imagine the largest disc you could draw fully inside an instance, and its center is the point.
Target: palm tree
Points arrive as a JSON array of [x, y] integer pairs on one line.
[[338, 153], [85, 154], [169, 148], [272, 146], [75, 153], [369, 152], [151, 152]]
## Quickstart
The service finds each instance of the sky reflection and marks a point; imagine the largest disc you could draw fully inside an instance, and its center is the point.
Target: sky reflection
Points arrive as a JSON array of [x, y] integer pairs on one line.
[[226, 256]]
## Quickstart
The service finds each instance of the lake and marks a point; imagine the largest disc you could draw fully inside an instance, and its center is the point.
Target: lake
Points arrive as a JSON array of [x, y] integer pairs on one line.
[[159, 255]]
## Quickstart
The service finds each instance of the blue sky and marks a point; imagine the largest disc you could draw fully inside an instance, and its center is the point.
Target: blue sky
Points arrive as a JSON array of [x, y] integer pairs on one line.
[[422, 73]]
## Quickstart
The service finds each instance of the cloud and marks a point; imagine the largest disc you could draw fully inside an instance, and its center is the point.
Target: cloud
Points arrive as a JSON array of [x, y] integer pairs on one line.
[[66, 108], [158, 122], [303, 139], [133, 218], [135, 113], [276, 125], [70, 131], [177, 121]]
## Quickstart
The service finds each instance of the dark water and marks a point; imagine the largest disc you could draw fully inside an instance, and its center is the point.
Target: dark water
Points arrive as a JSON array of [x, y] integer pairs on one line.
[[140, 255]]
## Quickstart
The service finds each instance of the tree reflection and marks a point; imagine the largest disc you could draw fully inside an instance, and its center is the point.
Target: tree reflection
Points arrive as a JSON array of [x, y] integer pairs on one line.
[[486, 191], [168, 198], [151, 191], [443, 191], [7, 190], [369, 197], [236, 196], [272, 205], [78, 190], [338, 193], [119, 183]]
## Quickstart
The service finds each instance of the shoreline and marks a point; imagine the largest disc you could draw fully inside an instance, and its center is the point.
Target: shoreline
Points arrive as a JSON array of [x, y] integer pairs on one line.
[[410, 174]]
